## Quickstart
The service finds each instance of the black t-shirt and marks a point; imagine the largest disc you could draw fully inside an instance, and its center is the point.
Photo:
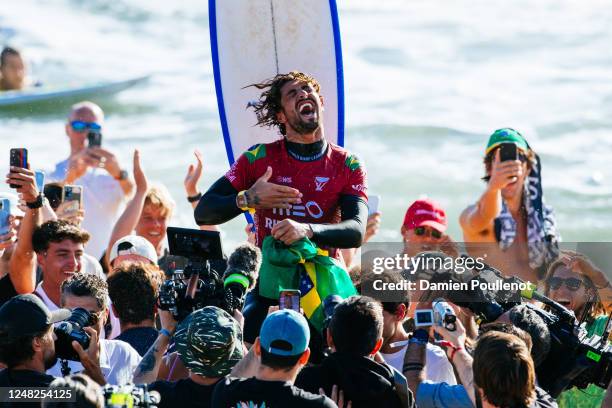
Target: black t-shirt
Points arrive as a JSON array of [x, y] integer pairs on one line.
[[141, 338], [183, 393], [252, 392], [24, 378]]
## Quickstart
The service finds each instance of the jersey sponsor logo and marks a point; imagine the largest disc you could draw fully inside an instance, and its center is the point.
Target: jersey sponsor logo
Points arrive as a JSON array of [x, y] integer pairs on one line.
[[255, 153], [311, 208], [359, 187], [283, 179], [320, 182], [352, 162]]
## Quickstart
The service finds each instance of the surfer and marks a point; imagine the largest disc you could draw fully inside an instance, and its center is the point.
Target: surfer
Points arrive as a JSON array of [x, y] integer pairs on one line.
[[12, 70], [300, 186], [511, 218]]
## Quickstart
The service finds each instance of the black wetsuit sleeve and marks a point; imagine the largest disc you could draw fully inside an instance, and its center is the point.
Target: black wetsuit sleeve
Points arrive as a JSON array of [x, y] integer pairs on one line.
[[349, 232], [218, 204]]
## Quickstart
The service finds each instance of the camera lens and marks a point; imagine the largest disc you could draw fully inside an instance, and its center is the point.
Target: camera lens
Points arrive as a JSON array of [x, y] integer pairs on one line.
[[80, 317]]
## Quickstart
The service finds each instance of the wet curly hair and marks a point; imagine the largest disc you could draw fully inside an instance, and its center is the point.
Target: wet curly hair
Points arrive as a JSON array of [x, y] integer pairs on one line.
[[269, 103]]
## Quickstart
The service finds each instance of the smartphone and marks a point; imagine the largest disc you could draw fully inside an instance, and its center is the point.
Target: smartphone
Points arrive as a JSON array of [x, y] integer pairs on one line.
[[423, 317], [290, 299], [74, 196], [19, 158], [53, 193], [508, 152], [94, 139], [40, 180], [373, 204], [5, 212]]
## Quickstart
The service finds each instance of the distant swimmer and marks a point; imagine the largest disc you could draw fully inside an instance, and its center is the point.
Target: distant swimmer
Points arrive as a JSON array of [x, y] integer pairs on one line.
[[12, 70]]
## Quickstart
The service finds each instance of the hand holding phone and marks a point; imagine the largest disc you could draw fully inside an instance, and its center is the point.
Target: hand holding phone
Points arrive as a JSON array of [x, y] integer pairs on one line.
[[290, 299], [373, 204], [94, 139], [508, 152], [5, 213]]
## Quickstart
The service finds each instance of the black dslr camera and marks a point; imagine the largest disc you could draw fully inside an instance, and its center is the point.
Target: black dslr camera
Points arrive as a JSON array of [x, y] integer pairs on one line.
[[72, 330], [204, 279]]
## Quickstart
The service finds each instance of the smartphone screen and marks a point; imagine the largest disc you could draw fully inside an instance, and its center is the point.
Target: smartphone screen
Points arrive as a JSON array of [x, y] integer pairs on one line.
[[423, 317], [40, 180], [373, 204], [508, 152], [5, 212], [72, 194], [289, 299], [94, 139]]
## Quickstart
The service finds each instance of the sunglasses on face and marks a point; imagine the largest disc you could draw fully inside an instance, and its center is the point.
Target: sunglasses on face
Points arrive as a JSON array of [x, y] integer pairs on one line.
[[421, 231], [572, 284], [80, 126]]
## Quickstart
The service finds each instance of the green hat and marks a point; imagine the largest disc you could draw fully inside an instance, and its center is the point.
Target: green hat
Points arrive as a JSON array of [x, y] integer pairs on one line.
[[209, 342], [506, 135]]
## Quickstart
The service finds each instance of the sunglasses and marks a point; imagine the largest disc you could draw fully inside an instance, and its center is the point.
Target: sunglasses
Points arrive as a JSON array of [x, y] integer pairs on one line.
[[572, 284], [420, 231], [80, 126]]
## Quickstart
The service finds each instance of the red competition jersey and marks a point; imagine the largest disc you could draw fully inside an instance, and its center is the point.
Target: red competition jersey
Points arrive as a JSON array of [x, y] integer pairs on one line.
[[321, 182]]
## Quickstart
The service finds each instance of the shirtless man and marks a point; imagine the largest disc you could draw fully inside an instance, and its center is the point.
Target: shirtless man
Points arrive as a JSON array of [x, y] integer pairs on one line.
[[509, 211], [12, 70]]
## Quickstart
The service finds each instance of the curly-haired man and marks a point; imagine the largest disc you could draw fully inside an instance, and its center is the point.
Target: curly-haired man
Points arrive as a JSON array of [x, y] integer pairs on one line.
[[301, 186]]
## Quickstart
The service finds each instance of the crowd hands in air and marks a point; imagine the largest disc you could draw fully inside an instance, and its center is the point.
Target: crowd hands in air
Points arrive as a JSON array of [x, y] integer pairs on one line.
[[93, 262]]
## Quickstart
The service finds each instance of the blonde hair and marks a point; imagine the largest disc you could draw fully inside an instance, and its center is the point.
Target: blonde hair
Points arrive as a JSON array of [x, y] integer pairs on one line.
[[158, 196]]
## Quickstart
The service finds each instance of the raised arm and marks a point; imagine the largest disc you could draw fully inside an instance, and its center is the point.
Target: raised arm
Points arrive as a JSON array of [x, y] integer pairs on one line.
[[147, 370], [194, 173], [479, 217], [127, 222], [22, 265]]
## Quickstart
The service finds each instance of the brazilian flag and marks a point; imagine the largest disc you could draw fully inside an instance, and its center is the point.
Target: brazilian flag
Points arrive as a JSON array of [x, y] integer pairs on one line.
[[305, 267]]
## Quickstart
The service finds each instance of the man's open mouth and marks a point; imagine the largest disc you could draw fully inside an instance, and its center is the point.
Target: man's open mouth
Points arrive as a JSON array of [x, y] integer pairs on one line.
[[306, 108]]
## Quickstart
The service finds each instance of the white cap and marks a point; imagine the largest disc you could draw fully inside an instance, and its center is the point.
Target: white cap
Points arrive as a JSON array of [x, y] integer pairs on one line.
[[14, 210], [133, 245]]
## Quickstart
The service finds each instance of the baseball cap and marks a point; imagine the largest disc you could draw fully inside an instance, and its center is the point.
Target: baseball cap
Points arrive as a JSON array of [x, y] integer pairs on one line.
[[285, 333], [425, 212], [14, 200], [209, 342], [506, 135], [133, 245], [25, 315]]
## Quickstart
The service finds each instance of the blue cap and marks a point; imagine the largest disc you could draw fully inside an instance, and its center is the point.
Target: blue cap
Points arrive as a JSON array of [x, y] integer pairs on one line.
[[285, 333]]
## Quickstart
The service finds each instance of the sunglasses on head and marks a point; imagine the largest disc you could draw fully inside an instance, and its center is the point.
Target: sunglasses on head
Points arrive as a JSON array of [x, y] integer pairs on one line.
[[572, 284], [420, 231], [80, 126]]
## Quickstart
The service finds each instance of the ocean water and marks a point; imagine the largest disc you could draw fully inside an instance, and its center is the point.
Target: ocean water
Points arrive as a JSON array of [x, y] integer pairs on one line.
[[426, 81]]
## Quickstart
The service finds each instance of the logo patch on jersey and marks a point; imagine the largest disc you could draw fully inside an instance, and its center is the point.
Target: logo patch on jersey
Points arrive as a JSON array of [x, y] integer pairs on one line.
[[284, 179], [352, 162], [255, 153], [320, 182]]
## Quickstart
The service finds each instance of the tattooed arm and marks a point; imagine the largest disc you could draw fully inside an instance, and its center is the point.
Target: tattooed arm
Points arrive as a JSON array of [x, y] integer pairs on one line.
[[146, 372]]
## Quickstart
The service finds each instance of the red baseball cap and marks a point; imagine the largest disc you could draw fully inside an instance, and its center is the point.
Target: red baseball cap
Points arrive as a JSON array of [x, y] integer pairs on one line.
[[425, 213]]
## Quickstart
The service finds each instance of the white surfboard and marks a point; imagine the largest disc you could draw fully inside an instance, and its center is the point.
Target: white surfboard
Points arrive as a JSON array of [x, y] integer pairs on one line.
[[58, 94], [253, 40]]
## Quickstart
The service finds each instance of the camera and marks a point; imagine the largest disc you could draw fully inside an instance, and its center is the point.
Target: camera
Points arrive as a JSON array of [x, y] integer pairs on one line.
[[130, 395], [71, 330], [206, 279], [444, 315]]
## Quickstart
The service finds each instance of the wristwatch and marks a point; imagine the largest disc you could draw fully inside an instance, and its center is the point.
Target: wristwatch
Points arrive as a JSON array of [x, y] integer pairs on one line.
[[243, 203], [36, 203], [123, 175]]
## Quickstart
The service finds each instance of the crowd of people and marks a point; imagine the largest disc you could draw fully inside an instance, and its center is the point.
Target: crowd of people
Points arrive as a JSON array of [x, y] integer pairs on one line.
[[79, 286]]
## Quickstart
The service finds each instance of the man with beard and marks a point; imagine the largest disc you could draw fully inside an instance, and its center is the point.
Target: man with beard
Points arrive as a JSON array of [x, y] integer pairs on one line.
[[301, 186], [510, 224], [27, 345]]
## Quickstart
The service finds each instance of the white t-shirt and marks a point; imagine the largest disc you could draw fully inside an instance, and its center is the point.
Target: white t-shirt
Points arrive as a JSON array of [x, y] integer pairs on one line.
[[91, 265], [118, 361], [102, 202], [116, 328], [437, 367]]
